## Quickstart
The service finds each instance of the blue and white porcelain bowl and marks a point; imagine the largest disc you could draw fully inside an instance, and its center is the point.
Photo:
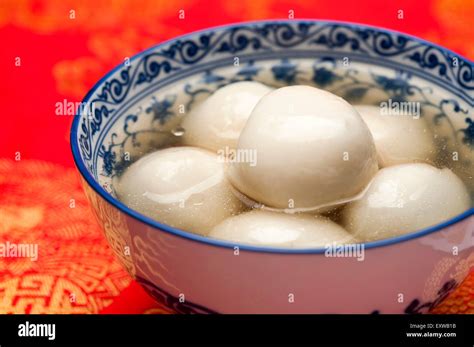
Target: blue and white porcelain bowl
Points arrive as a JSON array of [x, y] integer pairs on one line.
[[135, 107]]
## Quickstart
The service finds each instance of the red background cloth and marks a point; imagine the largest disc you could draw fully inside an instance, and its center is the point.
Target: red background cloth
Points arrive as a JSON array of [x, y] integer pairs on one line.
[[64, 47]]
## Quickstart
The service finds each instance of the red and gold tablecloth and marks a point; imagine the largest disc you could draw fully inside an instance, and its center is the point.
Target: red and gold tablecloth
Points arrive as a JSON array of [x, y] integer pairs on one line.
[[55, 50]]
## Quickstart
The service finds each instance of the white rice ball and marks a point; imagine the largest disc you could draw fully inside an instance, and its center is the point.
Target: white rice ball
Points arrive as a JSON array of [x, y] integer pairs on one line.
[[405, 198], [216, 123], [399, 139], [184, 187], [312, 147], [264, 228]]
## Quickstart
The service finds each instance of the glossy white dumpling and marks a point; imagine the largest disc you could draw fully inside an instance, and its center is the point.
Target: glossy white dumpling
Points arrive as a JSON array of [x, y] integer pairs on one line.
[[184, 187], [216, 123], [398, 139], [312, 149], [405, 198], [264, 228]]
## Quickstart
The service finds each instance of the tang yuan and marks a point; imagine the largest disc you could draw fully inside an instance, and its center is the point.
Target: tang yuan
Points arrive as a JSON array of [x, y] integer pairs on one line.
[[184, 187], [313, 150], [399, 138], [405, 198], [217, 122], [265, 228]]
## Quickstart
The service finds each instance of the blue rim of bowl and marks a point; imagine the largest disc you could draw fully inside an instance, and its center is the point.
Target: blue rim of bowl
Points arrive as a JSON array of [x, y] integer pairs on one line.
[[215, 242]]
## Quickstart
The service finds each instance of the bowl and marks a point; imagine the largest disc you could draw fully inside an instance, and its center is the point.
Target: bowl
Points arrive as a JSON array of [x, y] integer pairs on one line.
[[137, 105]]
